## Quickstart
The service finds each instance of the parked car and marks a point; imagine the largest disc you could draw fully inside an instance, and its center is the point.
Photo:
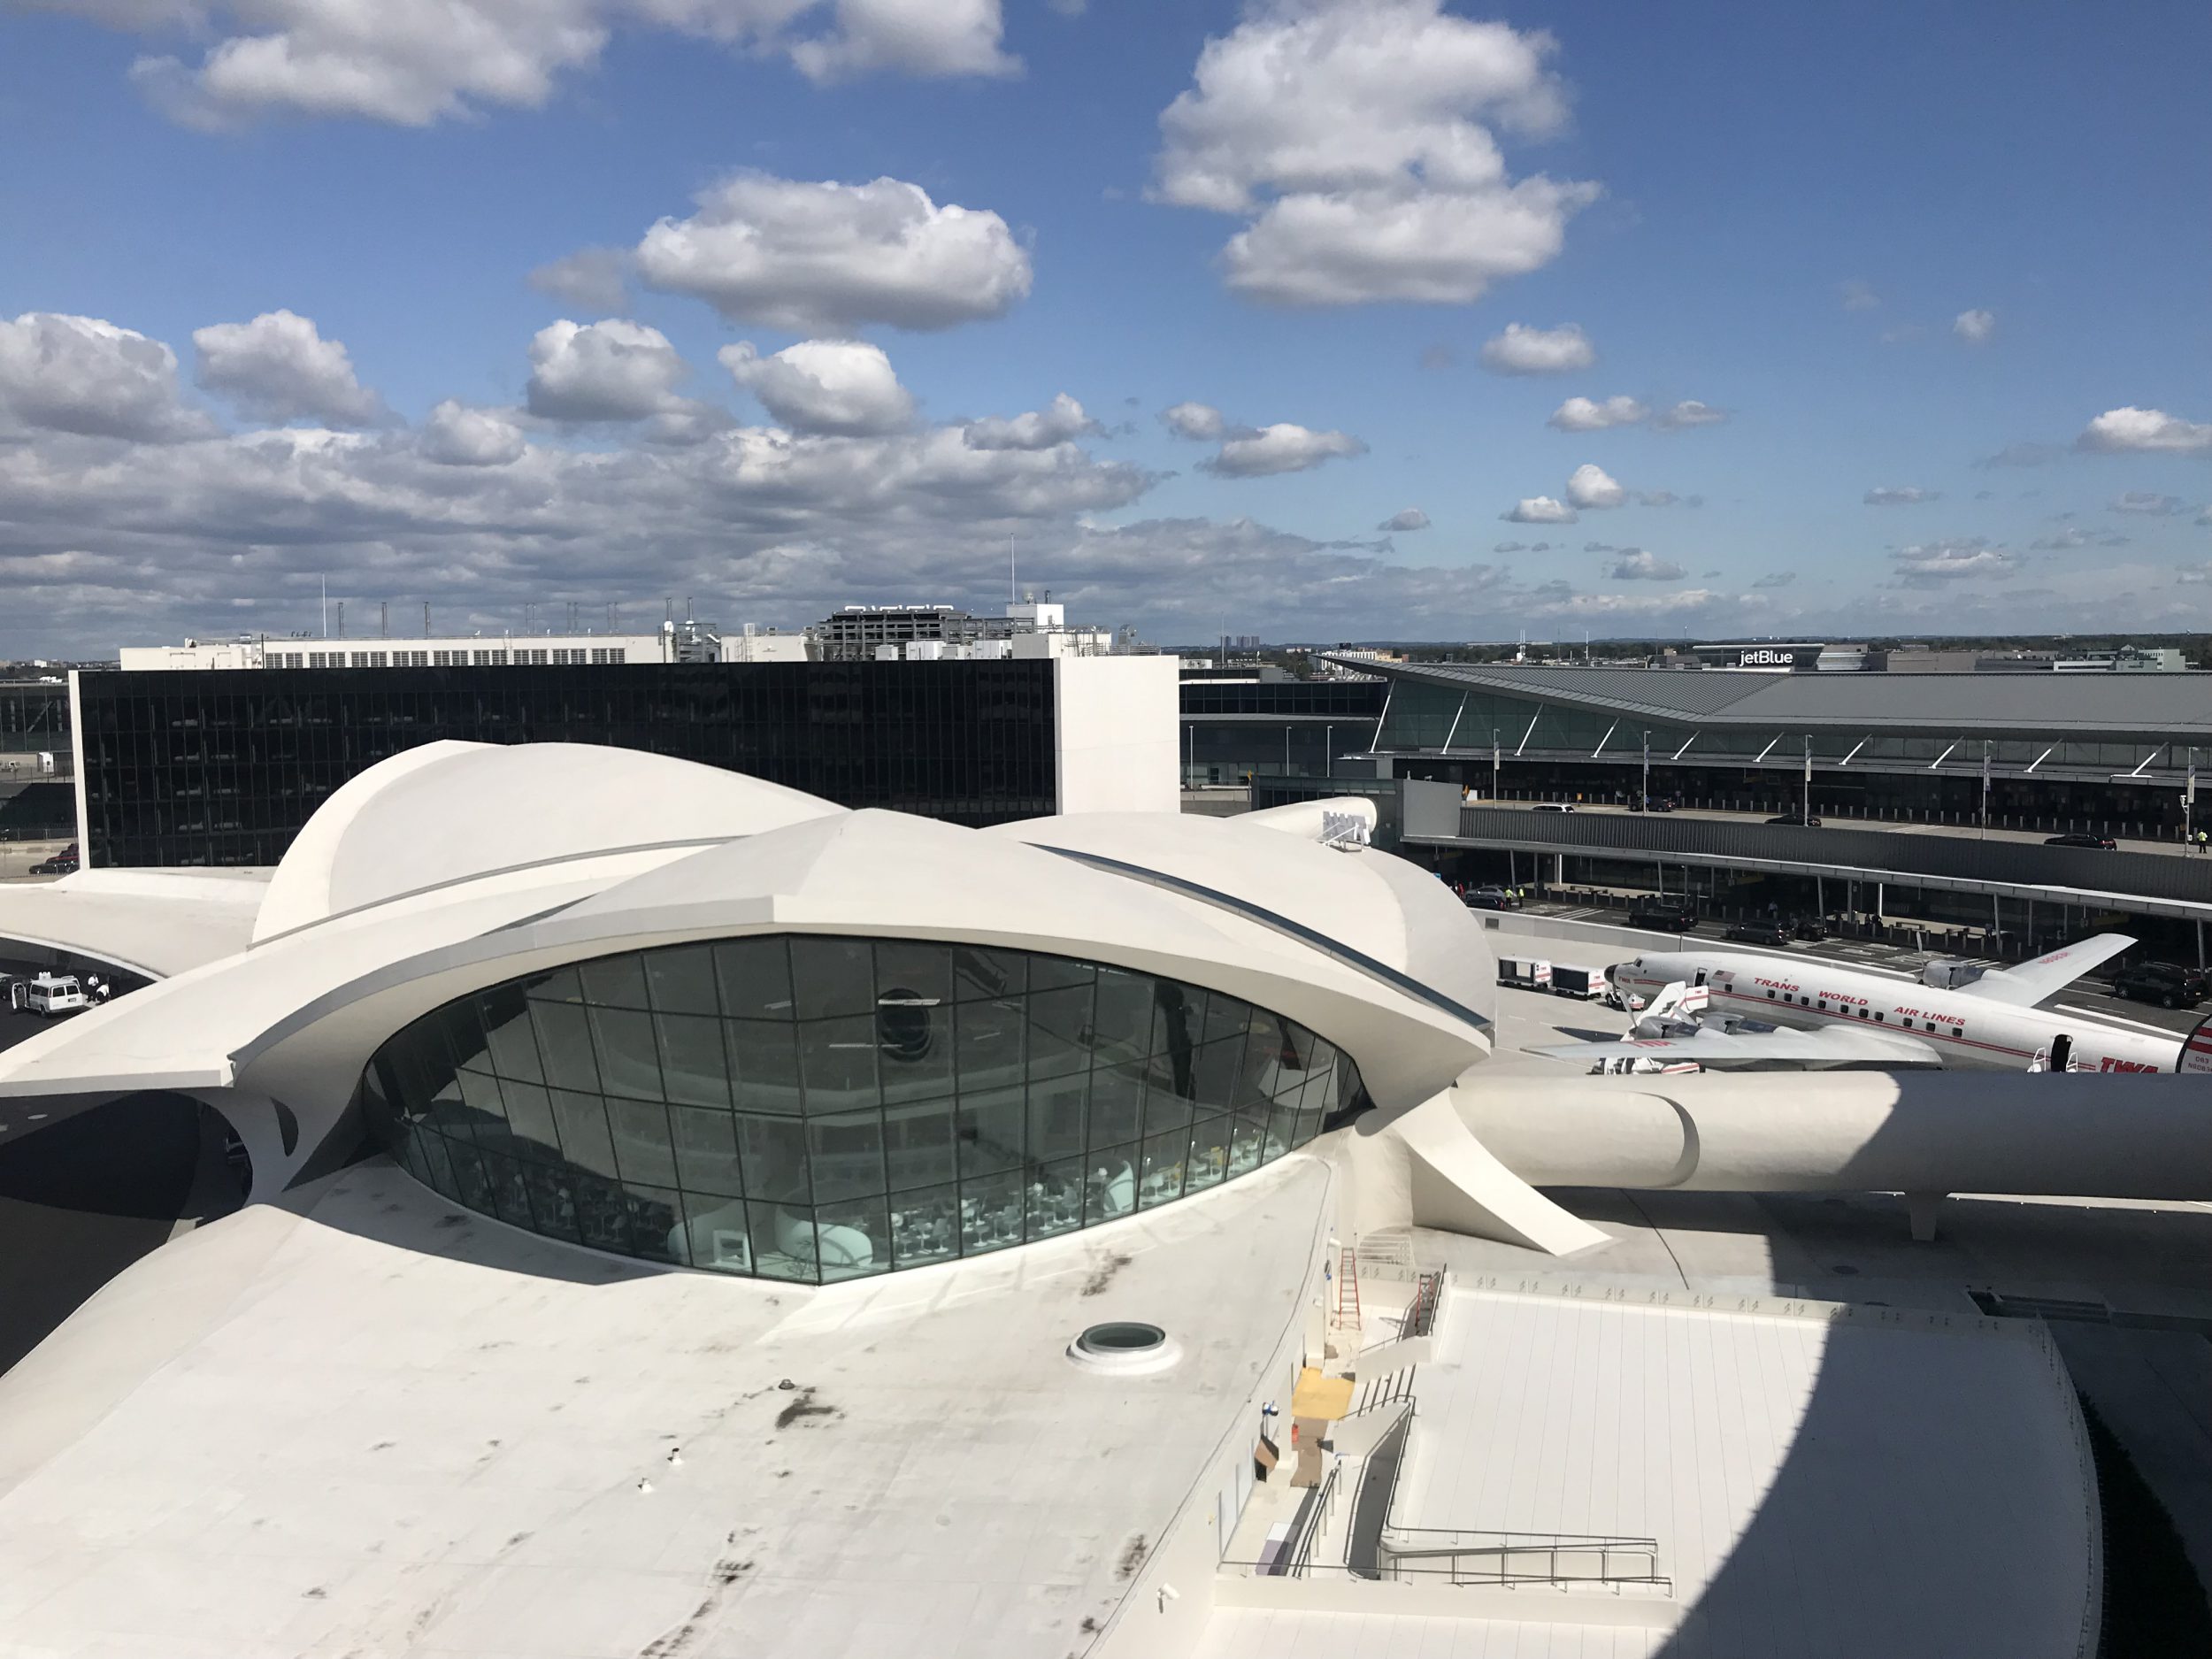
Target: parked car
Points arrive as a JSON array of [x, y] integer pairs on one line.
[[1663, 916], [1553, 806], [60, 865], [1490, 899], [1759, 933], [2168, 984], [1808, 929], [1799, 819], [2103, 843]]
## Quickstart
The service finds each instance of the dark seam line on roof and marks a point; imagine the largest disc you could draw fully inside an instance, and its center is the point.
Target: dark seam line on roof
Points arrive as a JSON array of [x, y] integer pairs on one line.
[[1335, 950]]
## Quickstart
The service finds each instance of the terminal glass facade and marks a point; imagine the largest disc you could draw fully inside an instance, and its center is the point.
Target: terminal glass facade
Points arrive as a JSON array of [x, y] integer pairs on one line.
[[816, 1108], [223, 767]]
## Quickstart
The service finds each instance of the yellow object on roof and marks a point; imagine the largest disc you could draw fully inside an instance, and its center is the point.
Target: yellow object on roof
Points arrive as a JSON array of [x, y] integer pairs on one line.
[[1319, 1396]]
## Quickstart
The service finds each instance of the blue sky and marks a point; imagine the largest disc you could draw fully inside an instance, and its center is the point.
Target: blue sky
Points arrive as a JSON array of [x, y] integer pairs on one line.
[[1877, 247]]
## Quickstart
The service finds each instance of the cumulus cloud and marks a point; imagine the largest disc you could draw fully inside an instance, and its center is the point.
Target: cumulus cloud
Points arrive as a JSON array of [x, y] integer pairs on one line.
[[1437, 354], [1063, 422], [458, 436], [915, 37], [1540, 510], [1975, 327], [2071, 538], [1511, 547], [84, 375], [415, 65], [1688, 414], [2145, 501], [843, 387], [1933, 563], [1777, 578], [1636, 565], [1281, 448], [1521, 349], [2119, 430], [1356, 138], [590, 279], [279, 367], [1900, 495], [1593, 605], [1202, 423], [1859, 296], [604, 371], [1412, 519], [1591, 486], [1581, 414], [829, 258], [2023, 454]]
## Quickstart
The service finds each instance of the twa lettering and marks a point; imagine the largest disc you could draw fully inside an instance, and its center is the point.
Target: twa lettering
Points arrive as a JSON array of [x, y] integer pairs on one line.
[[2108, 1064]]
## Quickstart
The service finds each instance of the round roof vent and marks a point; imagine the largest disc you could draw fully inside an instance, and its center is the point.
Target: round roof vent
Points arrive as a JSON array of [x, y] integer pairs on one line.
[[1125, 1348]]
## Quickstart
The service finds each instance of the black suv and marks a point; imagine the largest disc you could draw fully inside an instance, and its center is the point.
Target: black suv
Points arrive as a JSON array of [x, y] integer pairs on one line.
[[1796, 819], [1651, 803], [2167, 983], [1810, 928], [1663, 916], [2104, 843], [1758, 934]]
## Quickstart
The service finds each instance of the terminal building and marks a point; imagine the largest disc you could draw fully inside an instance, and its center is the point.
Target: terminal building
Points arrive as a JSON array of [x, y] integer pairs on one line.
[[1121, 1234]]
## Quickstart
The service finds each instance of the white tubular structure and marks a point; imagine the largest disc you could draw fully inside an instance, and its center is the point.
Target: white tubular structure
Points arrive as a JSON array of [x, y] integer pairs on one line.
[[2084, 1136]]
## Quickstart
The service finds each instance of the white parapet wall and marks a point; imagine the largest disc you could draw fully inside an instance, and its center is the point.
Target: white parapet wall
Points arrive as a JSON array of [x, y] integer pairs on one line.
[[1118, 723]]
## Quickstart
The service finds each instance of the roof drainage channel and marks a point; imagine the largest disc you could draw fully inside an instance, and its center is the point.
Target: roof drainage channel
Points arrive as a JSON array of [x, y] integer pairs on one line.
[[1337, 951]]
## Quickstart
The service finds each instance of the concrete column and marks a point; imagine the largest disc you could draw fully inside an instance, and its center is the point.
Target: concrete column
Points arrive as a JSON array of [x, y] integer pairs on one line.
[[1920, 1215]]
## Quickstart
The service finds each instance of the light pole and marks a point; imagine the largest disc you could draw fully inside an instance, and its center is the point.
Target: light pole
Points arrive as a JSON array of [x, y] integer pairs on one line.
[[1985, 834], [1493, 765], [1806, 814], [1644, 800]]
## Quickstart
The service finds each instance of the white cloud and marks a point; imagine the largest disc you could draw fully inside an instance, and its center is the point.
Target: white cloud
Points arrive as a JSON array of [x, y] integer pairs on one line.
[[1859, 296], [2145, 501], [1591, 486], [1900, 495], [1935, 563], [1200, 422], [1281, 448], [1636, 565], [829, 258], [843, 387], [590, 279], [1524, 350], [1580, 414], [1777, 578], [604, 371], [1511, 547], [2023, 454], [1410, 518], [456, 436], [1689, 599], [1975, 327], [2072, 538], [84, 375], [1351, 135], [1063, 422], [1687, 414], [2146, 429], [416, 62], [1540, 510], [279, 367], [915, 37]]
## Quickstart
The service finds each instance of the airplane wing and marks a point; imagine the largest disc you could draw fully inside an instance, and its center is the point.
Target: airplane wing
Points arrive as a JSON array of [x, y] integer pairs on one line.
[[1723, 1050], [2031, 982]]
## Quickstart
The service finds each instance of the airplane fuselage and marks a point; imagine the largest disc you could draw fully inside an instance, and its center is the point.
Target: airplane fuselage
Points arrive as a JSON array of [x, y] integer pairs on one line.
[[1964, 1030]]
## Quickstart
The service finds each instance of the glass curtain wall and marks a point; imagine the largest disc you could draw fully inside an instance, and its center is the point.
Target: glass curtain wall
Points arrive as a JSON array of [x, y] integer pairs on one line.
[[817, 1108]]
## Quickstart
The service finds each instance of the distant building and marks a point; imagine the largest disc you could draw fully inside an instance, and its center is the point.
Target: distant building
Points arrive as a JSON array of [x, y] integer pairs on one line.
[[1032, 627], [685, 642]]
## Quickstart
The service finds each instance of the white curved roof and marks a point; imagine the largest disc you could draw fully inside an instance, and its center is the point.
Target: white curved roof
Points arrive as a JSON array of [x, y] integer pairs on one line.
[[1378, 905], [449, 812]]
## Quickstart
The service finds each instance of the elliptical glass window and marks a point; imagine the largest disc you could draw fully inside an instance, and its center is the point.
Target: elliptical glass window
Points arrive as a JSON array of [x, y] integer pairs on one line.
[[817, 1109]]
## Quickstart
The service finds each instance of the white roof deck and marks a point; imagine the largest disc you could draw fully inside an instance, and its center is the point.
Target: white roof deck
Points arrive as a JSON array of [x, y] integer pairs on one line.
[[1819, 1481], [385, 1428]]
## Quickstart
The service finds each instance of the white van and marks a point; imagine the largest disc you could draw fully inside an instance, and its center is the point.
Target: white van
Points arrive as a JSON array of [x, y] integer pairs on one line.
[[49, 995]]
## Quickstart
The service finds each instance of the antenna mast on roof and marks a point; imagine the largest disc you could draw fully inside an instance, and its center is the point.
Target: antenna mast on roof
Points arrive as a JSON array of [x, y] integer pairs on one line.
[[1012, 594], [326, 612]]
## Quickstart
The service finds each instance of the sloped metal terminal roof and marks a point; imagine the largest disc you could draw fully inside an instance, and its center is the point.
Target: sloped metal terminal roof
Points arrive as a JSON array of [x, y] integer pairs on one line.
[[2164, 706]]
